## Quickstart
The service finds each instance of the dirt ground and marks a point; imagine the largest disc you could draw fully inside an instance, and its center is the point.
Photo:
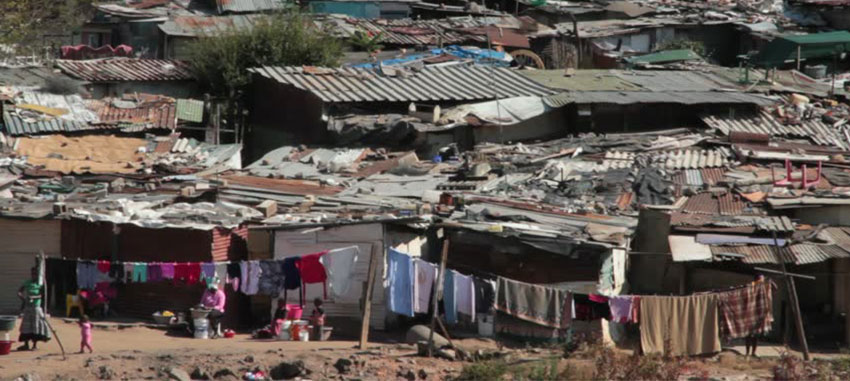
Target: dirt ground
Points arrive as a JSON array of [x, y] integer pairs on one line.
[[140, 353]]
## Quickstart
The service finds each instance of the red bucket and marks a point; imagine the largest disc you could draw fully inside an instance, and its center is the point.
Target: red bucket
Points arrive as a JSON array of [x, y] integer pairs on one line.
[[5, 347], [294, 312]]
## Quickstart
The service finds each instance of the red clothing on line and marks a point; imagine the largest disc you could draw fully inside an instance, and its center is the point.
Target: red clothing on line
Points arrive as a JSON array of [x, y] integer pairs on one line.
[[103, 266], [313, 271]]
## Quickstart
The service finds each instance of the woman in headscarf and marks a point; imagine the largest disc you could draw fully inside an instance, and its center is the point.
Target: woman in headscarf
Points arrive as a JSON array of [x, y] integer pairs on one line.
[[33, 325]]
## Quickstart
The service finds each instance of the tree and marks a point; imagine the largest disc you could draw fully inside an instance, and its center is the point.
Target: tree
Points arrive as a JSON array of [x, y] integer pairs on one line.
[[221, 62], [25, 22]]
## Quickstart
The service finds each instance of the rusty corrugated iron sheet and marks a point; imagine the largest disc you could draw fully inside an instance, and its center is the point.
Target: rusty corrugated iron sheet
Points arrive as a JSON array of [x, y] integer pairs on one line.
[[157, 114], [289, 186], [126, 69], [726, 204], [803, 253]]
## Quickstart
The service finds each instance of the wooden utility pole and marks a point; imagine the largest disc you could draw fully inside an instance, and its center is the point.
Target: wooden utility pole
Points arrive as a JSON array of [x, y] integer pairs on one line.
[[792, 293], [367, 302], [437, 293], [42, 270]]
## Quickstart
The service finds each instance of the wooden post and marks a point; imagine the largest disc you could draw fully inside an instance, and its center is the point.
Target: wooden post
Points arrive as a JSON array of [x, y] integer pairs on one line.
[[792, 294], [798, 57], [367, 303], [437, 293], [42, 268]]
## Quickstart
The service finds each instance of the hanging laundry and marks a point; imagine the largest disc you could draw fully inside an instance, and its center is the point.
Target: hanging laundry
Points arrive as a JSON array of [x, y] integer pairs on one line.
[[181, 272], [746, 311], [465, 295], [234, 272], [547, 306], [154, 272], [621, 308], [208, 270], [591, 307], [167, 270], [312, 271], [635, 309], [103, 266], [485, 295], [140, 273], [86, 275], [250, 277], [116, 271], [193, 273], [339, 264], [687, 325], [127, 273], [221, 271], [400, 282], [425, 274], [292, 275], [449, 298], [271, 277]]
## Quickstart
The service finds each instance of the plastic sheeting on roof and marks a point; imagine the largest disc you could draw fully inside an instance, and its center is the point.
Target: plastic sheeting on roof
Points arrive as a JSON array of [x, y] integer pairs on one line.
[[503, 111]]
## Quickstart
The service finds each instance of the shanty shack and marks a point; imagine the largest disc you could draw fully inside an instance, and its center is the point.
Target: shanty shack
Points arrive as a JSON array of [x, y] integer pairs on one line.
[[117, 76], [294, 104]]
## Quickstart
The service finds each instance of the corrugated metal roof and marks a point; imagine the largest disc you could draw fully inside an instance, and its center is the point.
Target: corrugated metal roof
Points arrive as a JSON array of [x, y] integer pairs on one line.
[[764, 123], [803, 253], [726, 204], [411, 32], [693, 158], [431, 84], [160, 114], [249, 6], [712, 176], [194, 26], [190, 110], [126, 69], [672, 97], [15, 125]]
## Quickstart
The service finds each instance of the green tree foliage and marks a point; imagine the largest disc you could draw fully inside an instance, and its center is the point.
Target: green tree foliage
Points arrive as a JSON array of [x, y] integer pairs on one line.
[[221, 62], [26, 22]]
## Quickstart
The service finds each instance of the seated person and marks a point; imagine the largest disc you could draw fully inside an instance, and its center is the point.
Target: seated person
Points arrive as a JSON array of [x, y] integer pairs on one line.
[[215, 300], [273, 329]]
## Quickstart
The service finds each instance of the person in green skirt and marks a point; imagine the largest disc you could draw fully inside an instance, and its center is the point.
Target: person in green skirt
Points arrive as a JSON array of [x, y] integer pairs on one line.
[[33, 324]]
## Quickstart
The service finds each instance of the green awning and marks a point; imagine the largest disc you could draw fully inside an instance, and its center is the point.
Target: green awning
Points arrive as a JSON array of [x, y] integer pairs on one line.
[[665, 57], [818, 45], [190, 110]]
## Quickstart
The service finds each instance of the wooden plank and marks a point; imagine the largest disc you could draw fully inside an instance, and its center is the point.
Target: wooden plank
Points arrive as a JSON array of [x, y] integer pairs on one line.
[[437, 294], [367, 299]]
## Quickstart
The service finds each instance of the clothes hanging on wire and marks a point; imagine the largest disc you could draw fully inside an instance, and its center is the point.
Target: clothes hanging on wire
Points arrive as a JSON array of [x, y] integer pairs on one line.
[[465, 295], [684, 325], [154, 272], [400, 282], [103, 266], [167, 270], [312, 271], [292, 278], [127, 272], [208, 270], [747, 311], [449, 297], [546, 306], [425, 273], [591, 307], [250, 277], [485, 295], [140, 273], [271, 278], [622, 308], [234, 272], [339, 264], [86, 275]]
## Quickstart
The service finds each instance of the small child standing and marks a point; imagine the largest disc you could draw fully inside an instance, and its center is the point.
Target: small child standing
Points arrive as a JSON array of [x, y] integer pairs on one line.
[[318, 319], [85, 333]]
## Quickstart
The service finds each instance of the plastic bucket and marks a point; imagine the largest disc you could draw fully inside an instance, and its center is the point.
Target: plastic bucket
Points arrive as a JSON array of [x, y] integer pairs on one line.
[[294, 311], [199, 313], [202, 328], [485, 325], [304, 335], [5, 347], [7, 323]]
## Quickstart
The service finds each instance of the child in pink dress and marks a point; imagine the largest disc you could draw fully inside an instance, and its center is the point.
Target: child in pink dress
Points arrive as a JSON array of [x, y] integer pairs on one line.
[[85, 333]]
